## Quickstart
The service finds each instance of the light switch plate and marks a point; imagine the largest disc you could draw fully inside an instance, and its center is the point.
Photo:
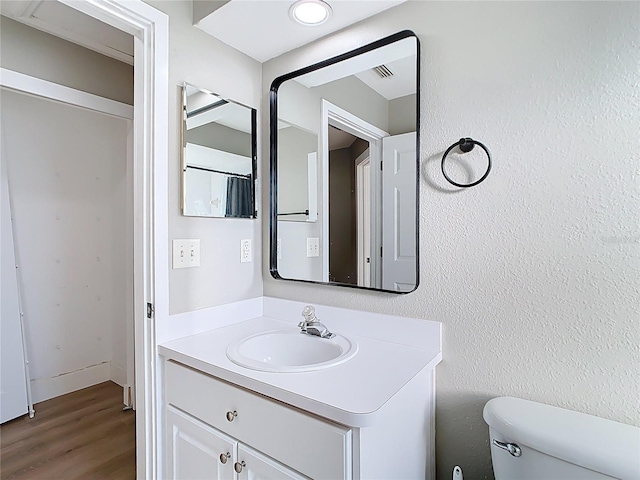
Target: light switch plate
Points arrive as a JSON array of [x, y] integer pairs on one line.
[[186, 253]]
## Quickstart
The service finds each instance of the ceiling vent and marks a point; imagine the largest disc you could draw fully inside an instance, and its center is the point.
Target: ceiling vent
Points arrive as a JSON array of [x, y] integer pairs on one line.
[[383, 71]]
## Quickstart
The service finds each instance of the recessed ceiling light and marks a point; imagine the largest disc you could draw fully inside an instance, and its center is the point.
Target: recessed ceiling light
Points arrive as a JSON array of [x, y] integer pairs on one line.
[[310, 12]]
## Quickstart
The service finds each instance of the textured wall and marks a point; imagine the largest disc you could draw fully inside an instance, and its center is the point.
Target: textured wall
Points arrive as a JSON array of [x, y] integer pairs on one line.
[[203, 61], [67, 174], [535, 272]]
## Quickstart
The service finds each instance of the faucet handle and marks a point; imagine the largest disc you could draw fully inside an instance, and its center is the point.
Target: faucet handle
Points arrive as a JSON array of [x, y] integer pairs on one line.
[[309, 314]]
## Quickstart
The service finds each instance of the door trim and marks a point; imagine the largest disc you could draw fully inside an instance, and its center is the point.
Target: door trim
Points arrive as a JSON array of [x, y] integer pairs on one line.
[[150, 29], [344, 120], [363, 207]]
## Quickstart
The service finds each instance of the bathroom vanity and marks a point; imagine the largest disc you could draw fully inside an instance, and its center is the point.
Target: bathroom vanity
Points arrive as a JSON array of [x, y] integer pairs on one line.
[[370, 416], [266, 398]]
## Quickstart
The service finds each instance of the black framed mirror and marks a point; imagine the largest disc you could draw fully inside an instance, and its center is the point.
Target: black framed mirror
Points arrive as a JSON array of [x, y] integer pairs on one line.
[[218, 156], [344, 146]]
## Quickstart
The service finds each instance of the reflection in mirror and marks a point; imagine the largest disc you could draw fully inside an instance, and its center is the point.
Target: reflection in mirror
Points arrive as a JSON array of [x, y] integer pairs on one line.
[[298, 157], [345, 168], [218, 156]]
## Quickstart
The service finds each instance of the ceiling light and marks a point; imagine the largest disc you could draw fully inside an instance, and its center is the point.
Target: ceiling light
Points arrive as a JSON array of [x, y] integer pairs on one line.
[[310, 12]]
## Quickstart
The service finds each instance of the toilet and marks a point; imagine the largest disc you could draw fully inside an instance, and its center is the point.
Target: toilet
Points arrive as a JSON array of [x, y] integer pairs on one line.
[[533, 441]]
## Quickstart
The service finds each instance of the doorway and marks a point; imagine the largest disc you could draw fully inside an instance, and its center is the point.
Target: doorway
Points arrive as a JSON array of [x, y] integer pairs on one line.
[[370, 139], [349, 208], [381, 235], [149, 28], [70, 192]]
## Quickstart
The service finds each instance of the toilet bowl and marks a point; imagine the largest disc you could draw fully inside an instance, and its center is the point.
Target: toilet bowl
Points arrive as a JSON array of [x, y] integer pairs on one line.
[[533, 441]]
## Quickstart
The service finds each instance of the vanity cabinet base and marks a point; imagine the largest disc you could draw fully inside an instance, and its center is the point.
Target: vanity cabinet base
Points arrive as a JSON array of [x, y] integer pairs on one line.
[[196, 450], [401, 443], [214, 429], [308, 444]]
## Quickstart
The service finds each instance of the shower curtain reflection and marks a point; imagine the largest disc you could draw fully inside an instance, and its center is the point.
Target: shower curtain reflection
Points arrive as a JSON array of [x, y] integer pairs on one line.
[[239, 197]]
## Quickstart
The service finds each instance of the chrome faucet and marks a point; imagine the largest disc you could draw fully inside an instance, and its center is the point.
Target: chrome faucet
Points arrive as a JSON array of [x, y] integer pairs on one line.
[[312, 326]]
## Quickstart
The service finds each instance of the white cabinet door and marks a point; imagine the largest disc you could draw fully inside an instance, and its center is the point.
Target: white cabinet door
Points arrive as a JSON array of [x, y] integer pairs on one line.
[[195, 450], [253, 465]]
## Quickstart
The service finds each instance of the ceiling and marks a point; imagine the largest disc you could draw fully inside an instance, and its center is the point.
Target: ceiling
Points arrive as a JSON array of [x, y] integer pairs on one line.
[[398, 57], [227, 113], [339, 138], [263, 29], [68, 23]]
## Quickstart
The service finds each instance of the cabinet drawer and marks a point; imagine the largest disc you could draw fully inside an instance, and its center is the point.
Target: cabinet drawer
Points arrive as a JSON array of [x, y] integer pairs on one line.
[[314, 447]]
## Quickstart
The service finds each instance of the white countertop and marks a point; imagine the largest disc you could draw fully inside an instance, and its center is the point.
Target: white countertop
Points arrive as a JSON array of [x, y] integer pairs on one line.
[[350, 393]]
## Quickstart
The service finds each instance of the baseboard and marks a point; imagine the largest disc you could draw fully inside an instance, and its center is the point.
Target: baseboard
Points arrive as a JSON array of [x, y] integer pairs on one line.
[[45, 388], [118, 374]]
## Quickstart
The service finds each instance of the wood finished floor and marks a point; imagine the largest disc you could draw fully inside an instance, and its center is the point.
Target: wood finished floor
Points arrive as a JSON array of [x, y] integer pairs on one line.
[[81, 435]]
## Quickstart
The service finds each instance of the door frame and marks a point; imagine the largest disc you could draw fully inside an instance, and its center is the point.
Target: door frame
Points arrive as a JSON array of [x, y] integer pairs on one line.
[[350, 123], [363, 211], [150, 29]]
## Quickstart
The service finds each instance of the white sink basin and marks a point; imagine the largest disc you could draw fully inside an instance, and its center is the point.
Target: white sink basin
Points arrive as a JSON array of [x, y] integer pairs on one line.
[[290, 351]]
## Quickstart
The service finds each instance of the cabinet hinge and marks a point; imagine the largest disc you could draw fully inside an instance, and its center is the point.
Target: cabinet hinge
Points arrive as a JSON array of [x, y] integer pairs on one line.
[[380, 251], [149, 310], [380, 165]]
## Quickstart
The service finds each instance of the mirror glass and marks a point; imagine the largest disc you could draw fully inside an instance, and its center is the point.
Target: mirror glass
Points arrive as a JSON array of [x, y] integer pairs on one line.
[[218, 156], [344, 169]]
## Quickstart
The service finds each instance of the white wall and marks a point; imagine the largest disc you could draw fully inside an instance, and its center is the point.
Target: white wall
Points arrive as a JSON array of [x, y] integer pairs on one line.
[[356, 97], [293, 261], [302, 106], [401, 117], [41, 55], [535, 272], [293, 196], [220, 137], [30, 51], [200, 59], [294, 147], [67, 175]]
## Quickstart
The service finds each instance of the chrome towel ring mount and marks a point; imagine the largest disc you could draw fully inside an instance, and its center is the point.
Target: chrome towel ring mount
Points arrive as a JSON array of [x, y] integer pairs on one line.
[[466, 145]]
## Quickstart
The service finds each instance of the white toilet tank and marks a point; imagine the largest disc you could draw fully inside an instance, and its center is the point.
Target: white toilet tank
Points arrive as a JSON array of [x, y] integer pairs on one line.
[[532, 441]]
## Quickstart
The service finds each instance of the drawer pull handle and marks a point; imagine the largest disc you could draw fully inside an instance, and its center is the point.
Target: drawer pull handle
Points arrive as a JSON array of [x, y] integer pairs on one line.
[[231, 415], [224, 457], [238, 466]]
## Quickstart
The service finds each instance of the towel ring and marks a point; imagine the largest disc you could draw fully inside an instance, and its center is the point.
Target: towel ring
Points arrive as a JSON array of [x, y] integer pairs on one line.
[[466, 145]]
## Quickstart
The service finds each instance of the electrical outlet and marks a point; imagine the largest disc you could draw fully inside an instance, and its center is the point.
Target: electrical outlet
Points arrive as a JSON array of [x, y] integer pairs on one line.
[[313, 247], [279, 249], [186, 253], [245, 251]]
